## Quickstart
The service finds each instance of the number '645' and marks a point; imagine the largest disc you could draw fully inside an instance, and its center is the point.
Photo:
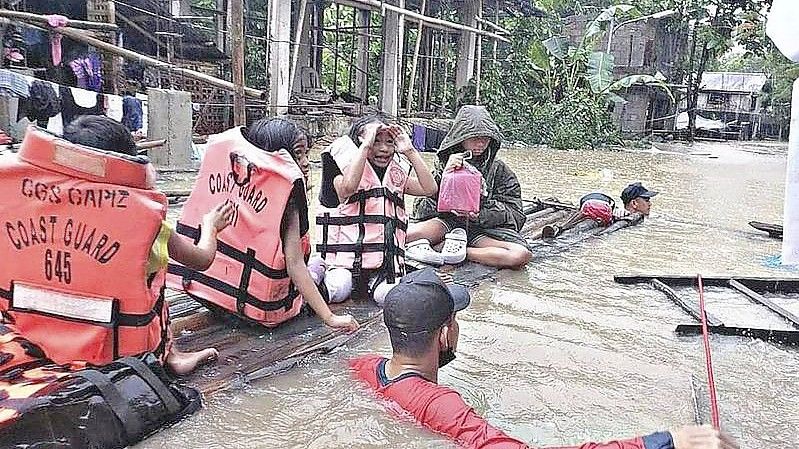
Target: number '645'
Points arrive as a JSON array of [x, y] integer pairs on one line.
[[58, 267]]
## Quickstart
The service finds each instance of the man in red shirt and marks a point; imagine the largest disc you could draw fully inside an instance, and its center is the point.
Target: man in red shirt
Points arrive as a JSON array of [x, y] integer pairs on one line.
[[420, 315]]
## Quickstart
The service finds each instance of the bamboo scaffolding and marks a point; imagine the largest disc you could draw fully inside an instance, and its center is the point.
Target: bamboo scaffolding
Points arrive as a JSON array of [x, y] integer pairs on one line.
[[80, 36], [377, 5]]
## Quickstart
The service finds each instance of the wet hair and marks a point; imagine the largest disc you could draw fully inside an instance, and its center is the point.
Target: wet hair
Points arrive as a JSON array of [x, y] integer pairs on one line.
[[273, 134], [302, 131], [412, 344], [101, 132], [357, 126]]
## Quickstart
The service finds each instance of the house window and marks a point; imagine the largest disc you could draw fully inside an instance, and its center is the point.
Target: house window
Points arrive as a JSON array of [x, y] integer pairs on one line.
[[716, 99]]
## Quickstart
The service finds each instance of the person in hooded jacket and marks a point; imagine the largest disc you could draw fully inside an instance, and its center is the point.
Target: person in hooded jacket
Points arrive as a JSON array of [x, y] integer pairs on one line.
[[492, 237]]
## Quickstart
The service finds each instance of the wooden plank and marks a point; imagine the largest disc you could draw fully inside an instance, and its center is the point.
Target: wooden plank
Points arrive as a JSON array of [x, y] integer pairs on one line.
[[699, 396], [770, 335], [279, 56], [771, 285], [689, 307], [245, 349], [42, 20], [763, 301]]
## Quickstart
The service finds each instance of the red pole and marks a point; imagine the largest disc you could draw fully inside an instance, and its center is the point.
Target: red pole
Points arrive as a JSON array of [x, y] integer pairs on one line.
[[711, 383]]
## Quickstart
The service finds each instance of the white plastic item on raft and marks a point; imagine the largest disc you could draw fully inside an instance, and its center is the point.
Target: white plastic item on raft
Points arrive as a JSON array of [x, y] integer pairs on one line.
[[782, 27]]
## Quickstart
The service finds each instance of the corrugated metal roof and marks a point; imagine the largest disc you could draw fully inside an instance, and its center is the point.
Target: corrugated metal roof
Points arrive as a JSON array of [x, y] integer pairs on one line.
[[734, 82]]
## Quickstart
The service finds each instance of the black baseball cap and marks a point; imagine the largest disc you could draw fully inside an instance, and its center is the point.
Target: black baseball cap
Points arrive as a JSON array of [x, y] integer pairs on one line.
[[636, 190], [421, 301]]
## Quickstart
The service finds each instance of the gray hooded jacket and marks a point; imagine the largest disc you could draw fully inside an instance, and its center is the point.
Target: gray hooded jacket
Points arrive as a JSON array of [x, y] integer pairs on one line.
[[501, 203]]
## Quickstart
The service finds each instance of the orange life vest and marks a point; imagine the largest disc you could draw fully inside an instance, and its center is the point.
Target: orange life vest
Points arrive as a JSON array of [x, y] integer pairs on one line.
[[77, 228], [366, 231], [248, 275]]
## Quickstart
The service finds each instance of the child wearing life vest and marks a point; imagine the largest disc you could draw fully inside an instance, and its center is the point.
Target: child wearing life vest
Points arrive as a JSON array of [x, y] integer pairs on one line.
[[103, 133], [272, 135], [362, 222]]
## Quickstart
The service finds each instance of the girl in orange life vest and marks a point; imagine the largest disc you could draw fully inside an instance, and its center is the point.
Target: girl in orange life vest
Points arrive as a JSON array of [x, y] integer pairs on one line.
[[103, 133], [387, 149], [273, 134]]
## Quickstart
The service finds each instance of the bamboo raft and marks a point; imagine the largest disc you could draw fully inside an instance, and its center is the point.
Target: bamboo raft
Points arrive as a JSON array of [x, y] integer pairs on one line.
[[540, 213], [248, 353]]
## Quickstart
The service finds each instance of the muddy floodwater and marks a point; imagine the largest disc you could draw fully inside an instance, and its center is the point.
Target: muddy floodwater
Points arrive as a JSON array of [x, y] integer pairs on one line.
[[558, 353]]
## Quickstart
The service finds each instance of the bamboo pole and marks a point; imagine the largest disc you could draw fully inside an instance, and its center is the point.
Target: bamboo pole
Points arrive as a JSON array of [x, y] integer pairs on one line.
[[237, 62], [491, 24], [295, 55], [80, 36], [42, 20], [429, 21], [415, 63]]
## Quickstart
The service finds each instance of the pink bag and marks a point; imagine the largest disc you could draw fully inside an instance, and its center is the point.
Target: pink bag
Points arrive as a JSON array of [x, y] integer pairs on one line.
[[460, 190]]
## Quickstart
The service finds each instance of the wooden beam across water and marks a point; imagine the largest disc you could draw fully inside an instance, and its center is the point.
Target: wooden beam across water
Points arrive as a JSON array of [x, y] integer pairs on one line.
[[691, 308], [766, 302], [770, 335], [758, 284]]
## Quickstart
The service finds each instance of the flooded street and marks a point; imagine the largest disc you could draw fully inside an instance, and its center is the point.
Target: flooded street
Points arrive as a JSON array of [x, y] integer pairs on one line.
[[558, 353]]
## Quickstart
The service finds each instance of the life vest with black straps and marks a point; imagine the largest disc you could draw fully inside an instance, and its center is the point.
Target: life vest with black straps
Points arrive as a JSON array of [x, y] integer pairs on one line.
[[248, 275], [78, 225], [47, 405], [366, 231]]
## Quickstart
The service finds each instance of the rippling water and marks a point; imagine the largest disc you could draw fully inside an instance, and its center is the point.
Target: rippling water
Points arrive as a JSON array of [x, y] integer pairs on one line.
[[559, 353]]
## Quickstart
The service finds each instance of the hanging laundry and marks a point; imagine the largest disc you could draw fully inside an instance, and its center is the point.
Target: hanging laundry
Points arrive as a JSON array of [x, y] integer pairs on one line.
[[42, 103], [88, 72], [56, 21], [434, 138], [70, 109], [114, 107], [419, 137], [14, 84], [132, 113]]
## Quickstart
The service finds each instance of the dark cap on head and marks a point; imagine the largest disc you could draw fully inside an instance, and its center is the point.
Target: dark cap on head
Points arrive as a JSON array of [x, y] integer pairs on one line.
[[636, 190], [421, 302]]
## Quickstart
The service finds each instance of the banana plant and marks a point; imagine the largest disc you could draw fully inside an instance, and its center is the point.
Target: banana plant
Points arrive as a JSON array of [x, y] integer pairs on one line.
[[563, 68]]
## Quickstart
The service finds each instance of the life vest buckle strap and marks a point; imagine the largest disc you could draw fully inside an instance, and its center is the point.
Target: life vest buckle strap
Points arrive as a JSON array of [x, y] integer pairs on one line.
[[119, 406], [229, 290], [146, 374], [377, 192], [235, 254]]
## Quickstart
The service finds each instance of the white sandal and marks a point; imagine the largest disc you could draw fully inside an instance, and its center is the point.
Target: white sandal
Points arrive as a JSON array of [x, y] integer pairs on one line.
[[454, 250], [421, 251]]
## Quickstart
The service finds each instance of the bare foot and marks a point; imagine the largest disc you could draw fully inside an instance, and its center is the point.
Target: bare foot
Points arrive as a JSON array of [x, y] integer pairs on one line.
[[182, 363]]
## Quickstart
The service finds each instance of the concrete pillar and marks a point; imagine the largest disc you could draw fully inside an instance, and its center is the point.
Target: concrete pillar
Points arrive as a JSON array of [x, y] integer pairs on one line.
[[393, 38], [304, 49], [279, 56], [173, 123], [464, 70], [360, 90], [790, 239]]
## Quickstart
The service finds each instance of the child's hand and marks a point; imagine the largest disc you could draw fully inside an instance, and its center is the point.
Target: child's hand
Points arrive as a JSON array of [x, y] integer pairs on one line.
[[369, 134], [346, 322], [219, 218], [401, 140]]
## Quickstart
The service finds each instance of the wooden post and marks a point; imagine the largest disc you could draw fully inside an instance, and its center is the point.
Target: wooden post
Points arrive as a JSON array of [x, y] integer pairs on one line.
[[116, 61], [392, 50], [279, 56], [362, 19], [424, 81], [415, 63], [479, 59], [301, 42], [221, 26], [172, 123], [236, 13], [465, 67]]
